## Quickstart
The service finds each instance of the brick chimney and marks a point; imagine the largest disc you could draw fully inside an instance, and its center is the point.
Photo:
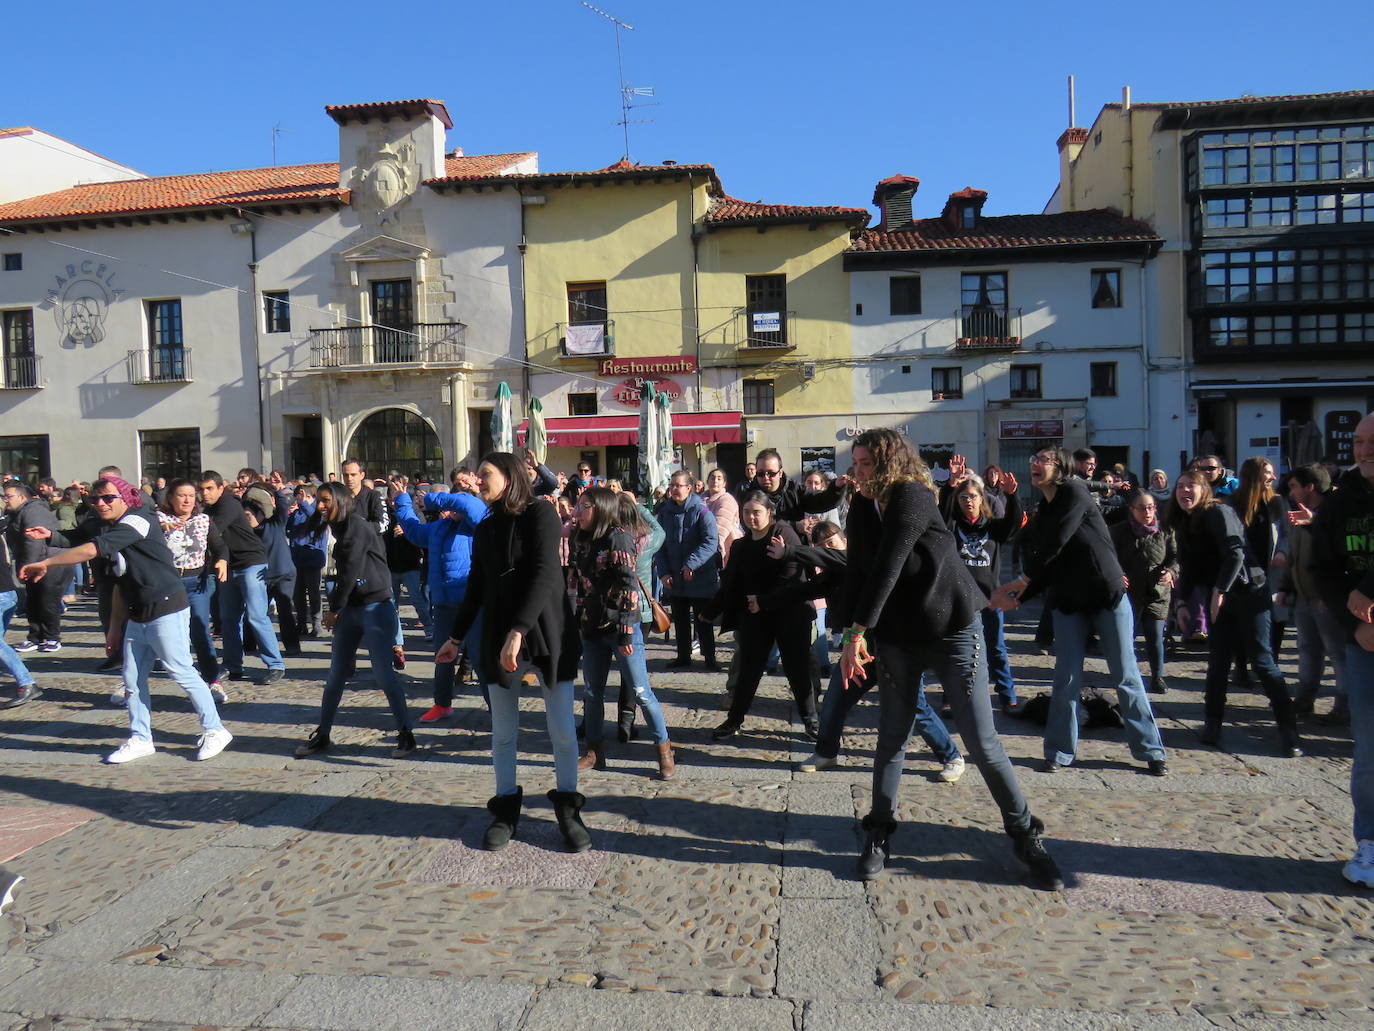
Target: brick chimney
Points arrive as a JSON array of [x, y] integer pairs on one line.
[[964, 208], [893, 197]]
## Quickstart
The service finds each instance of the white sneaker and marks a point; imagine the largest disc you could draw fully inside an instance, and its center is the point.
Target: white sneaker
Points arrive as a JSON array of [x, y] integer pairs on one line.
[[220, 695], [951, 771], [8, 882], [212, 742], [1360, 869], [134, 748], [818, 762], [118, 697]]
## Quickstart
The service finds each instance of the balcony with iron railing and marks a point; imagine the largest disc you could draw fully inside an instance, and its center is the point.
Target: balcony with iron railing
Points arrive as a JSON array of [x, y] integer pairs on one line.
[[586, 339], [764, 330], [987, 327], [20, 372], [365, 347], [160, 365]]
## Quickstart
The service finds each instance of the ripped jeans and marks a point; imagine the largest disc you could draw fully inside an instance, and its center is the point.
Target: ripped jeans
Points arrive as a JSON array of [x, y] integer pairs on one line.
[[597, 655]]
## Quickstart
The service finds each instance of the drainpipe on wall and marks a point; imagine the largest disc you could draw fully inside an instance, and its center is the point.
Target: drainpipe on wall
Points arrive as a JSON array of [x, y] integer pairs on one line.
[[264, 459], [1144, 366], [1129, 167], [696, 286], [524, 329]]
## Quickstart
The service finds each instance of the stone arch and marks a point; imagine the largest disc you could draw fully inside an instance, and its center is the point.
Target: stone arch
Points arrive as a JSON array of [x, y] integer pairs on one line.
[[397, 437]]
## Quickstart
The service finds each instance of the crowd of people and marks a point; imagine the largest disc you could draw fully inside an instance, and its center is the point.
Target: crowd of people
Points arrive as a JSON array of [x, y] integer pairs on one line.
[[524, 579]]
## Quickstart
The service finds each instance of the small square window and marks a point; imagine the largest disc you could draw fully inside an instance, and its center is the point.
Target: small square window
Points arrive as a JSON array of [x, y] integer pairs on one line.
[[1106, 288], [904, 294], [1103, 379], [276, 311], [1025, 381], [14, 262], [758, 397], [582, 404], [946, 384]]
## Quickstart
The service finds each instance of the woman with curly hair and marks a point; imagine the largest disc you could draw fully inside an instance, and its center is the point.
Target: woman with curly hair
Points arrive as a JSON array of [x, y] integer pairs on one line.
[[909, 592]]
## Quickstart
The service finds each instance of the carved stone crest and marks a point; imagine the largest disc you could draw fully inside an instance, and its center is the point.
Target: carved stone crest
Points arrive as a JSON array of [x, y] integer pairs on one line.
[[389, 179]]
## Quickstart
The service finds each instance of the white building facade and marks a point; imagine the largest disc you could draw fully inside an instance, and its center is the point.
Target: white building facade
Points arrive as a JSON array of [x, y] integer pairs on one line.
[[280, 318], [993, 336]]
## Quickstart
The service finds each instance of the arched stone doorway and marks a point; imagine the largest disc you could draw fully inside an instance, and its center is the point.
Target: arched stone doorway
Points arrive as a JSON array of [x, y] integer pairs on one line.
[[395, 439]]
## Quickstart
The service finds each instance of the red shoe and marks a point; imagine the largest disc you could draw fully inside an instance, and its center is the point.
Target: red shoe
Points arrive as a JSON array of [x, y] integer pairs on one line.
[[439, 712], [398, 658]]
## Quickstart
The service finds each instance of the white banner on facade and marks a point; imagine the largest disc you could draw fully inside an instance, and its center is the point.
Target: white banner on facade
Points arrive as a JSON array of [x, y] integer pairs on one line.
[[589, 339], [767, 322]]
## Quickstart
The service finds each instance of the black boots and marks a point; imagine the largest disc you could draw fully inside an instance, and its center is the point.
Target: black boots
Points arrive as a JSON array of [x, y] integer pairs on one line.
[[1210, 733], [1290, 745], [879, 828], [505, 811], [625, 728], [567, 807], [1030, 849]]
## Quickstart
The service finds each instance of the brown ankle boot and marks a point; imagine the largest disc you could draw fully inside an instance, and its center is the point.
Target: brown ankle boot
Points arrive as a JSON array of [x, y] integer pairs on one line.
[[594, 758], [667, 765]]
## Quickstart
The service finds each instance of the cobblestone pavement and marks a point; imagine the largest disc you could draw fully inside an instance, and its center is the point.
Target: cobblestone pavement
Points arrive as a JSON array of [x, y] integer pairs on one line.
[[350, 890]]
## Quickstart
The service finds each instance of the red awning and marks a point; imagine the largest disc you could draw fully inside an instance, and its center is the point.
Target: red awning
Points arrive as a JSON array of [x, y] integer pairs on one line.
[[604, 430]]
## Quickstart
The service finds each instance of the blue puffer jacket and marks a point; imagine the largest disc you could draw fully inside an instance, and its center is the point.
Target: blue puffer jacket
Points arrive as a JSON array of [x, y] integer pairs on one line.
[[448, 541], [308, 550], [691, 540]]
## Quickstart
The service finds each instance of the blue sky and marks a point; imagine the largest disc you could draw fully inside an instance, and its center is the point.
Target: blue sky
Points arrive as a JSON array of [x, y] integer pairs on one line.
[[800, 102]]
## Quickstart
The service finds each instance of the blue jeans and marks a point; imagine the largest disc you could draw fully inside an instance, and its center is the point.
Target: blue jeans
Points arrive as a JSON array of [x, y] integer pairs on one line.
[[1320, 637], [999, 663], [441, 622], [597, 655], [1116, 631], [411, 582], [167, 638], [9, 658], [558, 715], [1359, 664], [372, 626], [200, 589], [839, 700], [957, 662], [244, 597]]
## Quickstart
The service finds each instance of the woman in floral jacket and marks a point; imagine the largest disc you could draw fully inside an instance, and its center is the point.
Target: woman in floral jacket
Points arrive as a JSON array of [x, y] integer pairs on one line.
[[607, 587]]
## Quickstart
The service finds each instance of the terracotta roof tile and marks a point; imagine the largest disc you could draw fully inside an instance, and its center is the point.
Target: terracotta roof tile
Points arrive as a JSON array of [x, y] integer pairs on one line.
[[621, 170], [1354, 94], [731, 210], [1101, 225], [245, 187], [894, 180], [345, 112]]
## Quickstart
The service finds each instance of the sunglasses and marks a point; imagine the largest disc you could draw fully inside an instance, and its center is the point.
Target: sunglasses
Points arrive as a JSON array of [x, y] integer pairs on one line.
[[770, 473], [105, 499]]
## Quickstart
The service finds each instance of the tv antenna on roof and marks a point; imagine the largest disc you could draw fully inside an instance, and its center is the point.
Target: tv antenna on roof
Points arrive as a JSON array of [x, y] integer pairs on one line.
[[627, 92], [277, 131]]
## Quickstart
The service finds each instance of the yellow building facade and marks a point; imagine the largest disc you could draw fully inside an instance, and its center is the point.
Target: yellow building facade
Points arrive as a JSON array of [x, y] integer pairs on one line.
[[738, 310]]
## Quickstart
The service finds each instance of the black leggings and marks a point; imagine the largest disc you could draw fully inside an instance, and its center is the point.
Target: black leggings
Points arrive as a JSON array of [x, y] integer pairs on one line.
[[755, 637]]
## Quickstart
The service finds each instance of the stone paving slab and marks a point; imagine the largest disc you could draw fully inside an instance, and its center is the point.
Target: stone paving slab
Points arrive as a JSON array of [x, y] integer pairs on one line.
[[23, 827], [143, 993], [830, 1015], [287, 818], [399, 1004], [571, 1009], [829, 949]]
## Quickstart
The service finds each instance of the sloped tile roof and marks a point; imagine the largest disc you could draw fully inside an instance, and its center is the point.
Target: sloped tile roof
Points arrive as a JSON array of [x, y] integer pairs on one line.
[[1354, 94], [731, 210], [250, 186], [1101, 225], [620, 171]]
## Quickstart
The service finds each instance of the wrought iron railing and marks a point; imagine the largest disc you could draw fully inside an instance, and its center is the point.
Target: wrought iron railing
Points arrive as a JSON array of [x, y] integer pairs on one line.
[[755, 328], [160, 365], [344, 347], [988, 326], [20, 372]]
